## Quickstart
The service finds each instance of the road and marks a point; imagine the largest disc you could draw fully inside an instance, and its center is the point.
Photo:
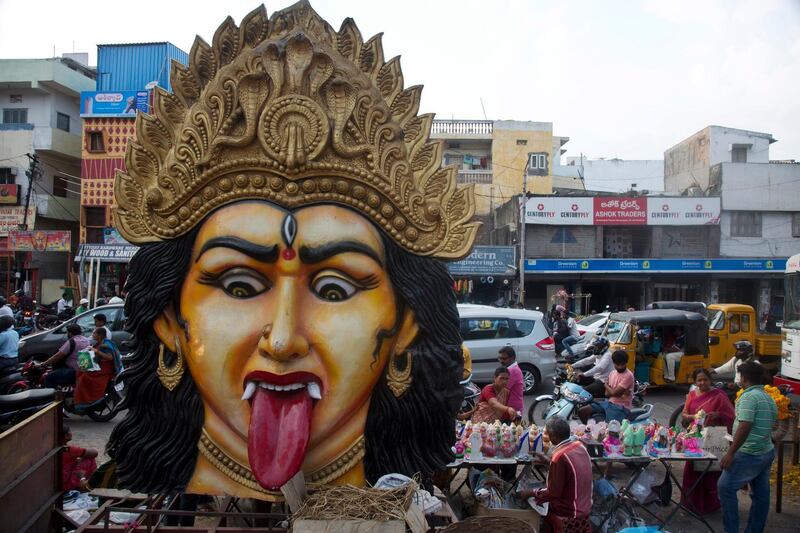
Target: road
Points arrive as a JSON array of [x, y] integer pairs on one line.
[[89, 434]]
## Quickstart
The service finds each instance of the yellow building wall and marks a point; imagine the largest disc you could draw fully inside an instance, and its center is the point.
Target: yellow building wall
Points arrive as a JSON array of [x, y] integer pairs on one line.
[[508, 163]]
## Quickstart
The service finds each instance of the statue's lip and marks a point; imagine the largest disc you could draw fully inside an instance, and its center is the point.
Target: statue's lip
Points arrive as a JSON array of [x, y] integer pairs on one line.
[[282, 379]]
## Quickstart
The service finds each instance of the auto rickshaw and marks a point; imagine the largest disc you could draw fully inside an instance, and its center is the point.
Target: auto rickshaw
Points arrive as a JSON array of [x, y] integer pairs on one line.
[[647, 336]]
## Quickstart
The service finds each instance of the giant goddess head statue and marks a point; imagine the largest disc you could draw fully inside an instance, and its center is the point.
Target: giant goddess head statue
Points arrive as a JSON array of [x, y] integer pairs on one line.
[[288, 302]]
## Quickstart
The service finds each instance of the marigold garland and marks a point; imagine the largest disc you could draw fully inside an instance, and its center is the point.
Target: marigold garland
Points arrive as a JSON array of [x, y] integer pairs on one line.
[[780, 400]]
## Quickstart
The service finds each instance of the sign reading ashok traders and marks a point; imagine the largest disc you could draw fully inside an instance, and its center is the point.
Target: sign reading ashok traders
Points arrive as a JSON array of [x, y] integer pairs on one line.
[[622, 211]]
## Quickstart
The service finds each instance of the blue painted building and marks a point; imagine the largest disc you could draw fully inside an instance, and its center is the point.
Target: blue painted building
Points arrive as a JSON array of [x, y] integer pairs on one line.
[[130, 67]]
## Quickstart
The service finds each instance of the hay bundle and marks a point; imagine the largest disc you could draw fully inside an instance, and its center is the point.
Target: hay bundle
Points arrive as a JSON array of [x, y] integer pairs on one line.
[[347, 502]]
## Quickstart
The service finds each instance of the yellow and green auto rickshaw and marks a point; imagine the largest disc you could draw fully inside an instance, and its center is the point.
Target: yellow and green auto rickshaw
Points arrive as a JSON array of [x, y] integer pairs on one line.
[[648, 336]]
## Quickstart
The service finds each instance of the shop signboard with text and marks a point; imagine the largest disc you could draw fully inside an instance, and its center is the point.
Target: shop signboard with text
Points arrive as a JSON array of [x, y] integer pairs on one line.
[[11, 218], [561, 211], [655, 266], [486, 261], [622, 211], [107, 253]]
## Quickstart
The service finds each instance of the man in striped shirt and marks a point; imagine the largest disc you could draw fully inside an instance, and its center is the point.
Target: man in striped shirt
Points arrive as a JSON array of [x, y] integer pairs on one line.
[[751, 453], [569, 479]]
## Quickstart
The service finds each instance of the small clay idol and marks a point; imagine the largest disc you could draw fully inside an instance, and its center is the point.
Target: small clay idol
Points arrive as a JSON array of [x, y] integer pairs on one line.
[[628, 439], [638, 440], [474, 445], [659, 444], [534, 439], [489, 448], [508, 446], [612, 442], [459, 449]]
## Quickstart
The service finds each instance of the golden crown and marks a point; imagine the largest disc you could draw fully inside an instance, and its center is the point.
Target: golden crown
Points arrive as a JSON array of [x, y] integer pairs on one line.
[[288, 110]]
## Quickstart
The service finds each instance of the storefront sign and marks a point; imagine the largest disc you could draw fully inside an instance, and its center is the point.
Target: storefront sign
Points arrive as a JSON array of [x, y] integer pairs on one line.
[[11, 218], [618, 211], [685, 211], [645, 266], [111, 253], [561, 211], [486, 260], [622, 211], [112, 236], [39, 241], [9, 194], [113, 104]]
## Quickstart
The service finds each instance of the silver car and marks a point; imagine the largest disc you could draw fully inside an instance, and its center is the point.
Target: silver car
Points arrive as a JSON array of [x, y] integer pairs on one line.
[[486, 329]]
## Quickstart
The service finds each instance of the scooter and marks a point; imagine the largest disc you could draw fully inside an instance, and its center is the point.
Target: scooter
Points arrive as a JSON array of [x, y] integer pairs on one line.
[[569, 397], [102, 410], [471, 394], [14, 408]]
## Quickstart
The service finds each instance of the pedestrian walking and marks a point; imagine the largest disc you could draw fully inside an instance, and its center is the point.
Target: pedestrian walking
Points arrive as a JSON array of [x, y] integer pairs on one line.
[[751, 453]]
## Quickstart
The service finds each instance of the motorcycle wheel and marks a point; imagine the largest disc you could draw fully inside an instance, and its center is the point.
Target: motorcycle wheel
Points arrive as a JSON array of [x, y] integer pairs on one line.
[[108, 411], [676, 414], [537, 411]]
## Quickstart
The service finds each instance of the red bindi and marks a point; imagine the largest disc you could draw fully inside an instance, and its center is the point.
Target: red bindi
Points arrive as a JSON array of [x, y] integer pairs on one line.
[[289, 254]]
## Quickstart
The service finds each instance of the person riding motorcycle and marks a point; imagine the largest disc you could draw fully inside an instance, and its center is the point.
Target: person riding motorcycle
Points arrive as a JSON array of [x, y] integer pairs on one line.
[[744, 354], [595, 379]]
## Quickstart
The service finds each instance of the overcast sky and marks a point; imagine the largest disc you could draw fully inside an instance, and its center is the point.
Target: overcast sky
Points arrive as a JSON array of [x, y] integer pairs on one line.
[[622, 79]]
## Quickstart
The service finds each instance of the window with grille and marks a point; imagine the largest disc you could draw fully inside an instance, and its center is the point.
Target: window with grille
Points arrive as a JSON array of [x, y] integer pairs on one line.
[[17, 115], [537, 164], [746, 224], [6, 178], [94, 217], [795, 224], [62, 121], [95, 142], [739, 154]]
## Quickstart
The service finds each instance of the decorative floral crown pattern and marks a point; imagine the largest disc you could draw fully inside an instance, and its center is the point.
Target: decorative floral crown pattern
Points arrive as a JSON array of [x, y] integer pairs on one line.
[[288, 110]]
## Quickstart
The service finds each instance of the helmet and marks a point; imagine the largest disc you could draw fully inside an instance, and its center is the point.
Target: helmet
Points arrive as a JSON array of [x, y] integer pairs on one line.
[[599, 345], [6, 322], [744, 349], [3, 301], [84, 301], [560, 308]]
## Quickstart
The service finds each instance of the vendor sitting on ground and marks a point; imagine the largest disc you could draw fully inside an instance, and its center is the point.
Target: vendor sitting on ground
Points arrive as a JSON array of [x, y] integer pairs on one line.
[[493, 401], [78, 464], [619, 391], [674, 354], [569, 481]]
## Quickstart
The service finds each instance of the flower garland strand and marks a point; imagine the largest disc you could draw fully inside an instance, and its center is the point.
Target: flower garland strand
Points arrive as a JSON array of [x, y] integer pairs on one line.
[[780, 400]]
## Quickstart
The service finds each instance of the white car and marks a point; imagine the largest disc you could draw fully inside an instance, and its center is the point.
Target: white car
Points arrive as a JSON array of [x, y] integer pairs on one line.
[[486, 329]]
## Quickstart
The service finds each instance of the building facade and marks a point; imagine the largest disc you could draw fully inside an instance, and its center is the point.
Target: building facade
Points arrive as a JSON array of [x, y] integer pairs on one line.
[[760, 217], [620, 175], [126, 75], [40, 104]]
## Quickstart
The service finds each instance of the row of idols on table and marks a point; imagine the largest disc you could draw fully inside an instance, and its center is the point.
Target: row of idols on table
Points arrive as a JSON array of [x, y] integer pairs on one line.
[[613, 439]]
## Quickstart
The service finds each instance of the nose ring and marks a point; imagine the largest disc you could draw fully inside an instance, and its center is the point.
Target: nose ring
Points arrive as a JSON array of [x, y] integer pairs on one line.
[[266, 330]]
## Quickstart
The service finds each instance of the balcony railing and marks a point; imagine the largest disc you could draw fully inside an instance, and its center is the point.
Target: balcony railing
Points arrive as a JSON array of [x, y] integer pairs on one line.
[[474, 176], [462, 127]]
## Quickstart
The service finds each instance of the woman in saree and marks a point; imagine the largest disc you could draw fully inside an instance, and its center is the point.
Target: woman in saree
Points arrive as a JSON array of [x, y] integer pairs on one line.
[[493, 401], [718, 411], [91, 386]]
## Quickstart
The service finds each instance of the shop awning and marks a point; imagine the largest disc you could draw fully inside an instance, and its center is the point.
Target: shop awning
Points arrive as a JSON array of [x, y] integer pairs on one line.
[[108, 253]]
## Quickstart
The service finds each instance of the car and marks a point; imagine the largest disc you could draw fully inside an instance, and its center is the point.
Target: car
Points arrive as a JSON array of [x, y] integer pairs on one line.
[[486, 329], [40, 346], [588, 327]]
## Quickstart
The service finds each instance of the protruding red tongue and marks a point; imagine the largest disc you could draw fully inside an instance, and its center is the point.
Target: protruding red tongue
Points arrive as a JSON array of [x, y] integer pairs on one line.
[[278, 436]]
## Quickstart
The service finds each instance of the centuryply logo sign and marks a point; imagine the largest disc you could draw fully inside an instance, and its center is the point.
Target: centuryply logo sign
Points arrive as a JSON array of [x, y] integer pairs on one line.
[[683, 211], [564, 211]]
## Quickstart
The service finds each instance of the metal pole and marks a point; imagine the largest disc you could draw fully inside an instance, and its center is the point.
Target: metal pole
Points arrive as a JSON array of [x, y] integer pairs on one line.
[[89, 281], [97, 281], [523, 209]]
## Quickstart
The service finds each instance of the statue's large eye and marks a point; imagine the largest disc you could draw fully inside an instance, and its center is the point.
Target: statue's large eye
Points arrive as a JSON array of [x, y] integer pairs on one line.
[[239, 283], [333, 288]]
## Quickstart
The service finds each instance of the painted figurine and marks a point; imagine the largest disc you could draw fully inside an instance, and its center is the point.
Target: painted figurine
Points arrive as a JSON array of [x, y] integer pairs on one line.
[[612, 442]]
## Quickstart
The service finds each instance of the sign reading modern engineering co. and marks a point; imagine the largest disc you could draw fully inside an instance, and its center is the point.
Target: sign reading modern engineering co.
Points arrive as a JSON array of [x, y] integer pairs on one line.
[[486, 261], [622, 211], [644, 266]]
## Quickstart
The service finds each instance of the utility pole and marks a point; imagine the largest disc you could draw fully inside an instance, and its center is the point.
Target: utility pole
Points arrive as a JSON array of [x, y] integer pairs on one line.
[[523, 206], [33, 173]]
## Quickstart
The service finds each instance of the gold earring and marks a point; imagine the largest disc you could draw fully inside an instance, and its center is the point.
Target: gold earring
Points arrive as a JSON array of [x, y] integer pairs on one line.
[[398, 373], [170, 376], [266, 330]]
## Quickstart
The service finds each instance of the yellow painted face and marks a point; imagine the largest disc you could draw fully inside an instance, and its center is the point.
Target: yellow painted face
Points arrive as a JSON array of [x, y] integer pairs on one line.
[[284, 299]]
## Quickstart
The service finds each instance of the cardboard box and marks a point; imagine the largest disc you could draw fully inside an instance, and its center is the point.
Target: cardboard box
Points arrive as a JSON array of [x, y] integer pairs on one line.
[[526, 515]]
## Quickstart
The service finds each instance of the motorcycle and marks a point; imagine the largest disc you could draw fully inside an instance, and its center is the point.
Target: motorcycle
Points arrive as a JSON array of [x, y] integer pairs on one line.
[[12, 380], [14, 408], [569, 397], [47, 317], [102, 410], [471, 394]]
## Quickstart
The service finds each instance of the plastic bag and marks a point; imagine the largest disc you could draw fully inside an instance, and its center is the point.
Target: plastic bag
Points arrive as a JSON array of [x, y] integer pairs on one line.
[[644, 484], [86, 362]]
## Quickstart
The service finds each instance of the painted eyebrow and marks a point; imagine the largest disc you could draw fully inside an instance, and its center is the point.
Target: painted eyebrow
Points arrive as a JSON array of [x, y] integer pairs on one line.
[[318, 254], [264, 254]]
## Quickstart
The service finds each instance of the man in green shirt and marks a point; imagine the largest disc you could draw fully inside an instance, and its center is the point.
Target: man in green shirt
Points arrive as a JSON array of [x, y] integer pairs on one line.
[[750, 456]]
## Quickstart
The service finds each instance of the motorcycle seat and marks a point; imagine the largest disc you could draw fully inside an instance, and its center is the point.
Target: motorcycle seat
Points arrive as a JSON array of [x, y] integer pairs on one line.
[[13, 369], [28, 398], [636, 413]]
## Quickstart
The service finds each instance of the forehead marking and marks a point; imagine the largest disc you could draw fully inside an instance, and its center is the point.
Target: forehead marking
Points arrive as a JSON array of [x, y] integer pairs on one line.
[[289, 229]]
